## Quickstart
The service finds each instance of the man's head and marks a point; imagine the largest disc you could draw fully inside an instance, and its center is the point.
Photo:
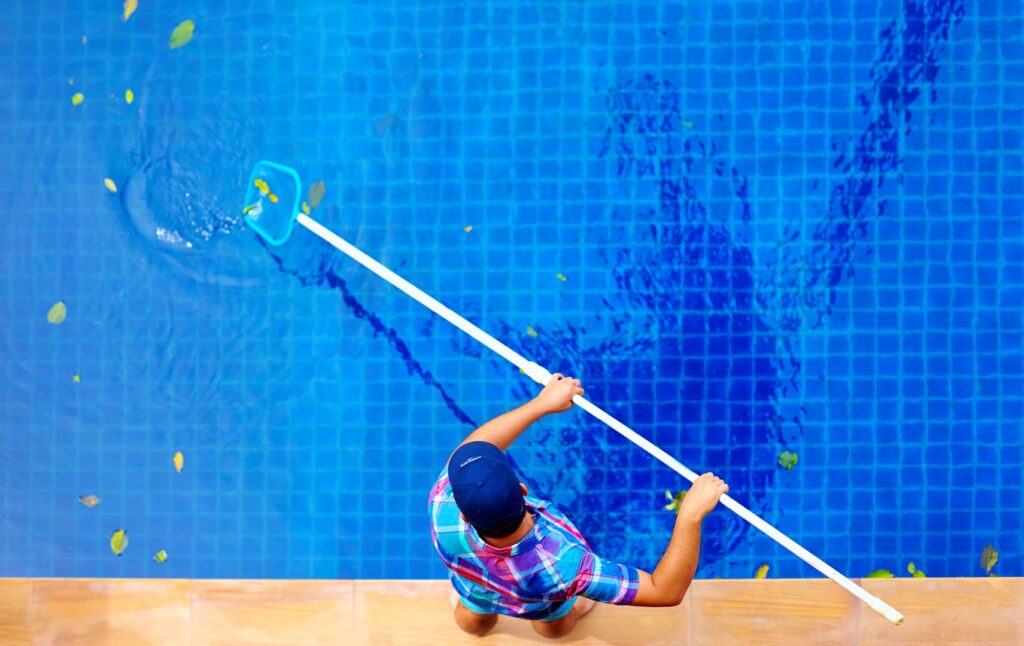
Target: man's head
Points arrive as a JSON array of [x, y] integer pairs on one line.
[[486, 490]]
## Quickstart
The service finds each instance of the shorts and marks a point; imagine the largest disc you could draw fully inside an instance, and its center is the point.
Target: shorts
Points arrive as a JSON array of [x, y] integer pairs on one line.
[[562, 611]]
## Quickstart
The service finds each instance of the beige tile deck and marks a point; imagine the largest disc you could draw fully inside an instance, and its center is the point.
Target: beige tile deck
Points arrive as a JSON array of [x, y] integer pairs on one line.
[[128, 611]]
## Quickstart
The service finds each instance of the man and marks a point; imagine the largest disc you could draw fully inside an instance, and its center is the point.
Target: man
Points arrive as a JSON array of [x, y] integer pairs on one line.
[[515, 555]]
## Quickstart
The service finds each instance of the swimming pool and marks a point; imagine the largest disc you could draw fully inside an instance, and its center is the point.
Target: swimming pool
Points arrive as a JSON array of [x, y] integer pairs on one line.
[[748, 227]]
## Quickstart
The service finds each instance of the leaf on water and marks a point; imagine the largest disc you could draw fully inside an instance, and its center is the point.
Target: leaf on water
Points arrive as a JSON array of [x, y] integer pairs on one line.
[[385, 123], [57, 313], [787, 460], [918, 574], [989, 558], [687, 123], [911, 568], [160, 556], [674, 501], [305, 208], [182, 34], [111, 186], [118, 542], [179, 461], [761, 572], [90, 500], [129, 8], [77, 98], [317, 190], [880, 574], [77, 379], [467, 229], [129, 96], [560, 276], [273, 198], [531, 331], [263, 186], [246, 210]]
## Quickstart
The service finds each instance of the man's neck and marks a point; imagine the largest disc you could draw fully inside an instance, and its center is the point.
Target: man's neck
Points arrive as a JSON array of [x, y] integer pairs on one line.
[[525, 527]]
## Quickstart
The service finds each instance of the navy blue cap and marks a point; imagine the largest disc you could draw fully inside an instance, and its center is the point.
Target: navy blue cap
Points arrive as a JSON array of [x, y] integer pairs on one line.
[[486, 489]]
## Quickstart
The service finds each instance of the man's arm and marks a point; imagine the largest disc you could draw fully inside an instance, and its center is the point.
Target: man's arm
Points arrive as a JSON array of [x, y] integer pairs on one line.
[[672, 577], [504, 429]]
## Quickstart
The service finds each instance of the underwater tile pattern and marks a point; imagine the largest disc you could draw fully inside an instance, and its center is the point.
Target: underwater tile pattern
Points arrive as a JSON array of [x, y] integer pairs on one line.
[[749, 227]]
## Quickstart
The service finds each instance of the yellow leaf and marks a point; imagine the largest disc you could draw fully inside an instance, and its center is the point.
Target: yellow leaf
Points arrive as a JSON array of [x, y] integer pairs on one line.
[[57, 313], [561, 277], [989, 558], [263, 186], [77, 379], [129, 8], [90, 500], [77, 98], [305, 208], [111, 186], [273, 198], [467, 229], [129, 96], [118, 541], [316, 193], [761, 572], [160, 556], [179, 461], [531, 331]]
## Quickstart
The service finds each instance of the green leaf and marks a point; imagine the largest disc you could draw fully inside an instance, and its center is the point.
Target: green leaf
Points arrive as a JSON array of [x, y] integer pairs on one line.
[[246, 210], [316, 193], [761, 572], [687, 123], [160, 556], [989, 558], [57, 313], [674, 501], [787, 460], [182, 34], [560, 276], [880, 574], [910, 567], [77, 98], [531, 331], [918, 574], [118, 541]]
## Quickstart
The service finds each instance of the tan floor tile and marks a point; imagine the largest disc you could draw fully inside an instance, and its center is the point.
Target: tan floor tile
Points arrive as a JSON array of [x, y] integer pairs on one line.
[[793, 611], [986, 610], [272, 612], [14, 600], [109, 611]]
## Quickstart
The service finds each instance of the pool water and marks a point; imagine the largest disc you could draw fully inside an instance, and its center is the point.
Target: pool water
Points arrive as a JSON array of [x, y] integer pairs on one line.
[[749, 228]]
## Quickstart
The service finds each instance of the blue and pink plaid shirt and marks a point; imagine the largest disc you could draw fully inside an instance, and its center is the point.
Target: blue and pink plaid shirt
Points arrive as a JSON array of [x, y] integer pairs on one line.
[[533, 578]]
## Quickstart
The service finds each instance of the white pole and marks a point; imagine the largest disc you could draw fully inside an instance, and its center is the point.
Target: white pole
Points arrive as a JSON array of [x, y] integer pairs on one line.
[[542, 376]]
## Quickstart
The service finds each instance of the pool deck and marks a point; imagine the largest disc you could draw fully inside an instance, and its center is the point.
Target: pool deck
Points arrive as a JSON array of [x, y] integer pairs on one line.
[[179, 611]]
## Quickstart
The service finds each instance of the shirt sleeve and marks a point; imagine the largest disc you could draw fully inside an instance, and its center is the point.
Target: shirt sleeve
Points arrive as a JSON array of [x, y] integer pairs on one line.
[[606, 581]]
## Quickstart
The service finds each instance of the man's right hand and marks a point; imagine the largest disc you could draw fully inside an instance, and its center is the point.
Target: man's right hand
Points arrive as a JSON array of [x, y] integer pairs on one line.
[[702, 497]]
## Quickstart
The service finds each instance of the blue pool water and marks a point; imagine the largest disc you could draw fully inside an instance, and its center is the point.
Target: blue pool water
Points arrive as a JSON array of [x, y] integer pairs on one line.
[[783, 226]]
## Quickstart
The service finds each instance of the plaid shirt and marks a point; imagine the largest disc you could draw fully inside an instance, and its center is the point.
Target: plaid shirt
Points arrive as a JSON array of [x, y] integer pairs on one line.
[[533, 578]]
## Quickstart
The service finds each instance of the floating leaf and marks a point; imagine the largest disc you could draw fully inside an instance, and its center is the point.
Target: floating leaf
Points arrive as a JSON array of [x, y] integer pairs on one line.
[[880, 574], [687, 123], [182, 34], [129, 8], [57, 313], [787, 460], [531, 331], [160, 556], [317, 190], [129, 96], [273, 198], [77, 379], [467, 229], [263, 186], [111, 186], [560, 276], [77, 98], [179, 461], [761, 572], [305, 208], [90, 500], [246, 210], [118, 541], [911, 568], [674, 501], [989, 558]]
